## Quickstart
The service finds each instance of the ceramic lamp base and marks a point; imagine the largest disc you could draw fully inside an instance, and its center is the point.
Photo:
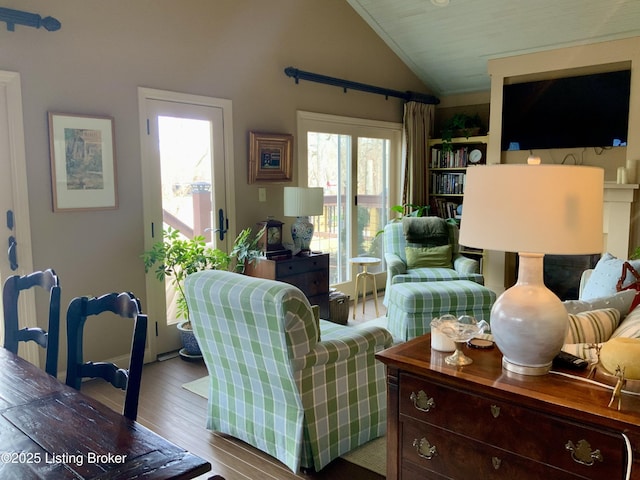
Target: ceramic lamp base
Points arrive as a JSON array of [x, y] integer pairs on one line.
[[302, 233], [528, 321]]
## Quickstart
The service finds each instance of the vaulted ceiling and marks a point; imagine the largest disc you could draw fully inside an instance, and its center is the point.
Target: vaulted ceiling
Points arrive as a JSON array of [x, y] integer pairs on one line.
[[448, 47]]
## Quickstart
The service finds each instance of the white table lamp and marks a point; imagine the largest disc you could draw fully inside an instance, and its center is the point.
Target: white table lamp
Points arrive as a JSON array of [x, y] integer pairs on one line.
[[533, 210], [301, 203]]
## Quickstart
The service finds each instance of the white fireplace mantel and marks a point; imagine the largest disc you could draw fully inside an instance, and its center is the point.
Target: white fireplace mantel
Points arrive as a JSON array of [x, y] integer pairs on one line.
[[616, 224]]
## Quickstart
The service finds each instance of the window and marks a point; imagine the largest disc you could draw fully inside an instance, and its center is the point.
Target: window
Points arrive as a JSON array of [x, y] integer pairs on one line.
[[357, 162]]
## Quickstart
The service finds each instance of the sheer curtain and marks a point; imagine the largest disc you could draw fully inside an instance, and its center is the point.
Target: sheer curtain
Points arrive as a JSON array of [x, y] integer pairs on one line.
[[417, 128]]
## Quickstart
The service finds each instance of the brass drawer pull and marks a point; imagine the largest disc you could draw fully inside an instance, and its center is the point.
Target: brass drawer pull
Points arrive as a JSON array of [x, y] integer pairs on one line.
[[424, 448], [495, 411], [496, 462], [582, 453], [421, 401]]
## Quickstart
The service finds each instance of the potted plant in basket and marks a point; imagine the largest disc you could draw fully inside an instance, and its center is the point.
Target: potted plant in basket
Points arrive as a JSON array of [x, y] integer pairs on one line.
[[461, 125], [176, 256]]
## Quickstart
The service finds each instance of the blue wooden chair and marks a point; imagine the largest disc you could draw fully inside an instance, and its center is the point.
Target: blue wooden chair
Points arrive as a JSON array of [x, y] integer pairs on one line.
[[125, 305], [13, 334]]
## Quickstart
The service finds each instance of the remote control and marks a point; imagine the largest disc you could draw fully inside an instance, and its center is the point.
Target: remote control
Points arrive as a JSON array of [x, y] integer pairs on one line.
[[567, 360]]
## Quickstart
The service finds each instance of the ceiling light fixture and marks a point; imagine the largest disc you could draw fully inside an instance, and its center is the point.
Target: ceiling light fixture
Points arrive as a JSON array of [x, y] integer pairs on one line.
[[440, 3]]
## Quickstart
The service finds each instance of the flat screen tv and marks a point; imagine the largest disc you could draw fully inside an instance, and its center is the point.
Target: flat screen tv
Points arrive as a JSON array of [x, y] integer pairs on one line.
[[581, 111]]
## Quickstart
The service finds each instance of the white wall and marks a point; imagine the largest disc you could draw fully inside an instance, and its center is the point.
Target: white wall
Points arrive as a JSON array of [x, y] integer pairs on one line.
[[232, 49]]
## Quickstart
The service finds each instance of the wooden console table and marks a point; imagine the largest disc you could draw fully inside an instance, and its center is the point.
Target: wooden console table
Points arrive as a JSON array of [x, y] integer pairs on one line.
[[310, 273], [480, 421]]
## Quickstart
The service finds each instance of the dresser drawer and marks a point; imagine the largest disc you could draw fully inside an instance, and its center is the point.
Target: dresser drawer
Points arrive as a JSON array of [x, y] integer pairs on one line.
[[310, 274], [301, 265], [311, 283], [520, 430], [457, 457]]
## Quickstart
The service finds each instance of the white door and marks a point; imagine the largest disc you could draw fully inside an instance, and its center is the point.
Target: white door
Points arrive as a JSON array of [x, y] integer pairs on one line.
[[15, 258], [187, 164]]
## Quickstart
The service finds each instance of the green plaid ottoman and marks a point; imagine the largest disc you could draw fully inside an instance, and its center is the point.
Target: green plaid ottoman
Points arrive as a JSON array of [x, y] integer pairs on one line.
[[412, 306]]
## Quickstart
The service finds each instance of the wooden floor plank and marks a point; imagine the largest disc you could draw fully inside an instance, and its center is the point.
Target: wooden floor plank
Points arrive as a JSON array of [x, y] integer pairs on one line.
[[180, 415]]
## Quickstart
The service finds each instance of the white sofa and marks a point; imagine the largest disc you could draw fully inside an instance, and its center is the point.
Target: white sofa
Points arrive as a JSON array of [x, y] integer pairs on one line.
[[601, 313]]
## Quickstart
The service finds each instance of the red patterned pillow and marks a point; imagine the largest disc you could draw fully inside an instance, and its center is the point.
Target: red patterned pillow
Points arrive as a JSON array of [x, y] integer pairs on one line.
[[634, 285]]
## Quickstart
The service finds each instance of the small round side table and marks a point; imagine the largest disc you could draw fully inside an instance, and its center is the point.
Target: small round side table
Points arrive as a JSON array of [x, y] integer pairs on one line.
[[365, 262]]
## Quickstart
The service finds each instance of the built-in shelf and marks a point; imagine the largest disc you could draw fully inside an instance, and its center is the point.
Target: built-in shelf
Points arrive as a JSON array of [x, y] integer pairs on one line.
[[448, 165]]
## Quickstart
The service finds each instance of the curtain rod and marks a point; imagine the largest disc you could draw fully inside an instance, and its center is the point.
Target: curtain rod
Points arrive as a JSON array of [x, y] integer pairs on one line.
[[19, 17], [347, 84]]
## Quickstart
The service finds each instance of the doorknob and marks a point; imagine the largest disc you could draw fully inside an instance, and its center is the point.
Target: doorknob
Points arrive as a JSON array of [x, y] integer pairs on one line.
[[223, 224], [13, 253]]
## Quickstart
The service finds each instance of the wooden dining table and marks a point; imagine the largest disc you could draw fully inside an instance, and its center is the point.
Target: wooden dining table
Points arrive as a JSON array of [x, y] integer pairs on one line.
[[49, 430]]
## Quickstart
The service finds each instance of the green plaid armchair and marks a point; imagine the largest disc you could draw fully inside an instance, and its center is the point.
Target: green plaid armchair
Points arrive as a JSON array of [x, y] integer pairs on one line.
[[394, 240], [276, 386]]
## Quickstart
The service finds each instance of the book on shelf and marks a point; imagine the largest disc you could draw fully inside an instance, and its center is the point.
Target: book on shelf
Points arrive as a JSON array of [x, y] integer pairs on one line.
[[450, 183], [444, 208], [455, 158]]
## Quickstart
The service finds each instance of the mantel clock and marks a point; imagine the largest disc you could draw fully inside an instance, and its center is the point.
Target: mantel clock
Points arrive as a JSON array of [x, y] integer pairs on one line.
[[271, 241]]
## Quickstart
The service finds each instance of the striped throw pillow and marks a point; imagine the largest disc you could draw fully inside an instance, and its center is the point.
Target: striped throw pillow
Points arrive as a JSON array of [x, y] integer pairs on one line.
[[630, 327], [595, 326]]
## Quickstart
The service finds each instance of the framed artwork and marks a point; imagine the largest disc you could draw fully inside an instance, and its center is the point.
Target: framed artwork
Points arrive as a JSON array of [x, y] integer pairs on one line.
[[270, 157], [83, 163]]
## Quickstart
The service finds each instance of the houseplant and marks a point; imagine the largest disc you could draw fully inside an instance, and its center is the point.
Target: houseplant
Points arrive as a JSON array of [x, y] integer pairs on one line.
[[176, 256], [461, 125], [410, 210]]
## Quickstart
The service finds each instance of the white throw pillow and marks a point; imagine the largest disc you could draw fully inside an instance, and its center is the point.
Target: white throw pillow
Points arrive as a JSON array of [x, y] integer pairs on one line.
[[630, 327], [619, 300], [605, 276]]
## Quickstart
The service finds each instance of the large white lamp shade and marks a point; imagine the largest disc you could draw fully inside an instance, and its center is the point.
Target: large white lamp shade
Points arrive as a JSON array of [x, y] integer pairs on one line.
[[532, 210]]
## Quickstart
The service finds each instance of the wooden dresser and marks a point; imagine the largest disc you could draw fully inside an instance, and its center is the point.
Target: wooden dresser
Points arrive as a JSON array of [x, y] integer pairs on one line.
[[310, 273], [481, 421]]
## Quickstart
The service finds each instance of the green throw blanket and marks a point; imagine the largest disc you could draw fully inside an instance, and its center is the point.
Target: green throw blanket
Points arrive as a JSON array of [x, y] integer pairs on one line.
[[426, 231]]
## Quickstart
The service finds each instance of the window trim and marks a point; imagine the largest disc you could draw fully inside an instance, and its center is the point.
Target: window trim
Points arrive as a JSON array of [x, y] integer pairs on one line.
[[304, 121]]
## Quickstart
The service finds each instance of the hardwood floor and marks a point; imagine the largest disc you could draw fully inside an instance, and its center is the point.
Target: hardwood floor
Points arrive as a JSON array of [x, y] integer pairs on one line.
[[179, 415]]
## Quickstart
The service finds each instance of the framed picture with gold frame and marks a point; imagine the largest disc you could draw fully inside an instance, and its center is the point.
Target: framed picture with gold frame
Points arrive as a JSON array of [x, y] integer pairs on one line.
[[83, 164], [270, 157]]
